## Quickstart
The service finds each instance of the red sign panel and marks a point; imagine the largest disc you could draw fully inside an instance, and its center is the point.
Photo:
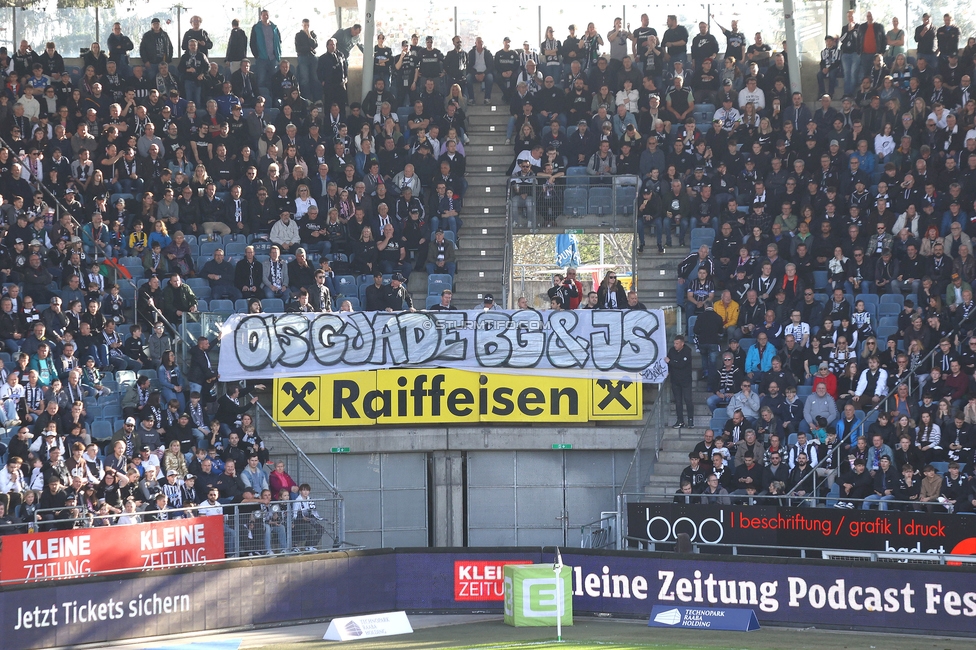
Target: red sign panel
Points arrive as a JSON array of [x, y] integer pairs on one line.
[[68, 554], [481, 580]]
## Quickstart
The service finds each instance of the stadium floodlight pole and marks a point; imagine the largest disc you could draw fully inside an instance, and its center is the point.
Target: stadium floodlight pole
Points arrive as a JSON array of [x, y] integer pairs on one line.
[[792, 47], [369, 30], [557, 568]]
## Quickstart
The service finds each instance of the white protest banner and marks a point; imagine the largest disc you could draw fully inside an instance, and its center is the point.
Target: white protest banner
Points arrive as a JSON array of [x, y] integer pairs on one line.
[[611, 344]]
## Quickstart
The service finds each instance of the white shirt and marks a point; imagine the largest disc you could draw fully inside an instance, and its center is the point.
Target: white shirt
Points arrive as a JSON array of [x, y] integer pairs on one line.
[[799, 332], [757, 97], [302, 206]]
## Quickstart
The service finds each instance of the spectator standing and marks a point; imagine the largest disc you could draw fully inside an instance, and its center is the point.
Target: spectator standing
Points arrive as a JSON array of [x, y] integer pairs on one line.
[[850, 53], [679, 362], [306, 42], [265, 44], [236, 47], [155, 48]]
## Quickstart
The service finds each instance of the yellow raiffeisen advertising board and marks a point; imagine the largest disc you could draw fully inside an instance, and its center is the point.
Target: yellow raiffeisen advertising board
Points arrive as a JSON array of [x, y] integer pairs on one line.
[[432, 396]]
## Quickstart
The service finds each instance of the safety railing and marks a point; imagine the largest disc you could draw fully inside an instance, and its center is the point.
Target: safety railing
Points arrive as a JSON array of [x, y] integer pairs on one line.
[[251, 528], [802, 552], [600, 533], [508, 258], [871, 415], [539, 202], [651, 438], [301, 467]]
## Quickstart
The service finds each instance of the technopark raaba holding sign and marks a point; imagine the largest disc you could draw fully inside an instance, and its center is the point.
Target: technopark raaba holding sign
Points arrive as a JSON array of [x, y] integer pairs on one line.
[[585, 343]]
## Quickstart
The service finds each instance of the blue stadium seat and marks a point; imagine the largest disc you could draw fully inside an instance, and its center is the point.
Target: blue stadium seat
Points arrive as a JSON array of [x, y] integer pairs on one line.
[[102, 430], [820, 279], [702, 237], [196, 283], [431, 301], [345, 283], [746, 343], [699, 241], [202, 305], [889, 309], [868, 298], [240, 305], [601, 200], [362, 293], [207, 249], [202, 293], [354, 302], [574, 201], [577, 176], [223, 306], [437, 282], [895, 298], [451, 237], [273, 305], [884, 333], [235, 249], [625, 200]]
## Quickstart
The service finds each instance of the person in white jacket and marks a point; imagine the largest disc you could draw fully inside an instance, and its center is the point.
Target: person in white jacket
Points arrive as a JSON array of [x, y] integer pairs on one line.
[[308, 531], [628, 97], [10, 395], [285, 232], [12, 479]]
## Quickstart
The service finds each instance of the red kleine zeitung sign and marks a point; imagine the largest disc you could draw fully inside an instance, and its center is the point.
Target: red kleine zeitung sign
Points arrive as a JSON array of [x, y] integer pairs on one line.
[[59, 555]]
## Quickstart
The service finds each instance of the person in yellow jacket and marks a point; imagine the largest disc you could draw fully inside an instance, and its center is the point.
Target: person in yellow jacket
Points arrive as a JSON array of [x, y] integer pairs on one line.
[[728, 309]]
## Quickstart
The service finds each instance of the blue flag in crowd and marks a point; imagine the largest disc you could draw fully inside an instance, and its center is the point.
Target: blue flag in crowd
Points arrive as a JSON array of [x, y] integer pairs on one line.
[[567, 250]]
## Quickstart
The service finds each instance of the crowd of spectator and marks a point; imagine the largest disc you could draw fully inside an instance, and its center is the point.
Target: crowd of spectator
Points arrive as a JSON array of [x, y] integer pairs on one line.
[[829, 286], [142, 162]]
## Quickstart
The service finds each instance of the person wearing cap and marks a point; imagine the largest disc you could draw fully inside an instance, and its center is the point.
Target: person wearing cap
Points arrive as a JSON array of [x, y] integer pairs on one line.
[[396, 297], [488, 303], [955, 290], [431, 65], [441, 255], [155, 48]]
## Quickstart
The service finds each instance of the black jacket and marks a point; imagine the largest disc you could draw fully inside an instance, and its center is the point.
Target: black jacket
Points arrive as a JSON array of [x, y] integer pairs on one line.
[[679, 364]]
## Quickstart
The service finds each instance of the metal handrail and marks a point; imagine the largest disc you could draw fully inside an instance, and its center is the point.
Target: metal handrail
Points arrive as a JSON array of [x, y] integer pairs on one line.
[[298, 451], [62, 208], [508, 257], [759, 499], [653, 418], [877, 407], [601, 532], [816, 553], [232, 518]]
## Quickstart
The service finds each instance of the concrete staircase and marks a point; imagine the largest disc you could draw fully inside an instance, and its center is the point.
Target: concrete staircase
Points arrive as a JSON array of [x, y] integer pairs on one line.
[[480, 255]]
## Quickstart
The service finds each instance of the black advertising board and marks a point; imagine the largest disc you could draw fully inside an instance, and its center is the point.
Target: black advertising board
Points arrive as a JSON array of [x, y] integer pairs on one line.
[[826, 528]]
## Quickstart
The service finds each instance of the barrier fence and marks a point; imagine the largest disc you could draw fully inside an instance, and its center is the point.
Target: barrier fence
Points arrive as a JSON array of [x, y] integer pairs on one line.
[[72, 543], [919, 599], [537, 203]]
